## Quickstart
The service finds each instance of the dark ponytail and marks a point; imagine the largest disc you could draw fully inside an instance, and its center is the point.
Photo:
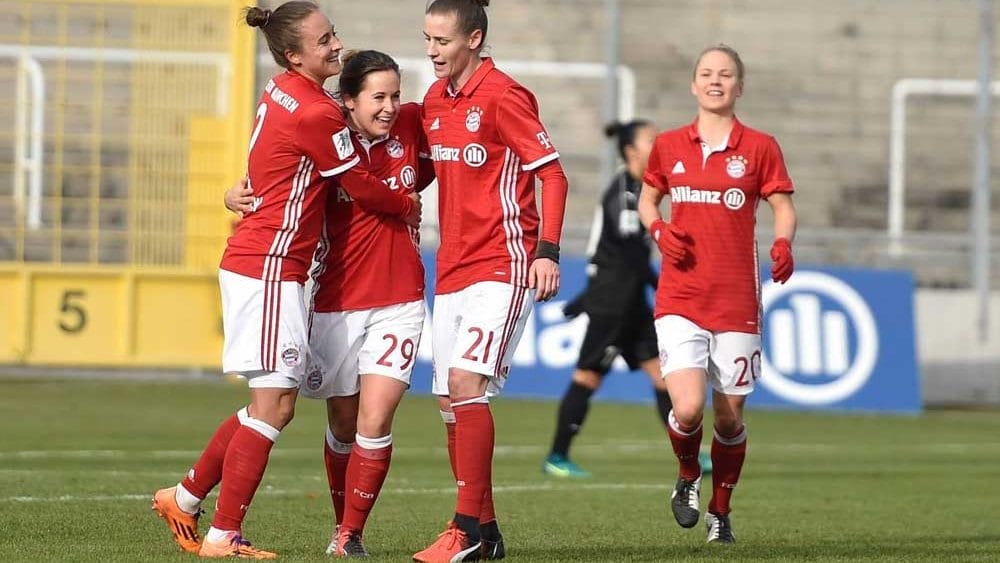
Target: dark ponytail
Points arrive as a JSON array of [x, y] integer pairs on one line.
[[624, 133]]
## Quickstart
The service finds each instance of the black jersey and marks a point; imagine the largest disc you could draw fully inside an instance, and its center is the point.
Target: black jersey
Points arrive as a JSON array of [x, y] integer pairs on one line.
[[619, 249]]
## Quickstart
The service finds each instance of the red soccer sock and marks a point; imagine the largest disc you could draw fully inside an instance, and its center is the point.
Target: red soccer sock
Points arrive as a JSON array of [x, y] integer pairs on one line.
[[474, 437], [728, 454], [242, 470], [366, 472], [207, 471], [449, 426], [686, 443], [336, 456], [488, 512]]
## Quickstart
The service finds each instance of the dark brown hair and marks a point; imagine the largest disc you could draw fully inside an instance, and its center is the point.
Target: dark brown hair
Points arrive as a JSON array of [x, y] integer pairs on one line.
[[281, 26], [624, 133], [471, 15], [358, 65]]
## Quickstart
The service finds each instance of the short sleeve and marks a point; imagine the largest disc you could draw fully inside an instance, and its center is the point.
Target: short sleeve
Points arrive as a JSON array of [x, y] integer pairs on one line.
[[773, 174], [655, 175], [522, 131], [322, 135]]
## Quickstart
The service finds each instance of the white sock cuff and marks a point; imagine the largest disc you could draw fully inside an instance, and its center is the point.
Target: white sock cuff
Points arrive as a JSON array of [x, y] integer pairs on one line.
[[336, 445], [484, 400], [186, 501], [676, 427], [373, 443], [448, 417], [263, 428], [733, 441]]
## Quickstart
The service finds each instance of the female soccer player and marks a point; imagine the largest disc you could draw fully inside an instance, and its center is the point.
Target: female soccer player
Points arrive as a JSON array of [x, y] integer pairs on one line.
[[367, 304], [715, 172], [488, 147], [299, 139], [620, 320]]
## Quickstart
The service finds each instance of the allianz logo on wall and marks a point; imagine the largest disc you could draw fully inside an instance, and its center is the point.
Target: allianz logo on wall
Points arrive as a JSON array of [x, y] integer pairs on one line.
[[820, 341]]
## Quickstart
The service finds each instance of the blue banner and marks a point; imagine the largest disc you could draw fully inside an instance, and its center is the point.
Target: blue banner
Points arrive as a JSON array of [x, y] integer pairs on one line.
[[834, 338]]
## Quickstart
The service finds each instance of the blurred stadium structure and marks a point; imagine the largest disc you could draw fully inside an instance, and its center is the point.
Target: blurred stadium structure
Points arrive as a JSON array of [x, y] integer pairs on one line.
[[146, 104]]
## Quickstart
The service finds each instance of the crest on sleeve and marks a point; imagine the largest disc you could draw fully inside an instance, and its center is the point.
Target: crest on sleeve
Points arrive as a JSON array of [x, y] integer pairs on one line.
[[342, 142], [543, 139]]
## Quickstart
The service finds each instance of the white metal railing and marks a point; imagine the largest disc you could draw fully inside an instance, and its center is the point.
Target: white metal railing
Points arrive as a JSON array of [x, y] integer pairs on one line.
[[902, 90], [28, 137], [422, 67], [29, 99]]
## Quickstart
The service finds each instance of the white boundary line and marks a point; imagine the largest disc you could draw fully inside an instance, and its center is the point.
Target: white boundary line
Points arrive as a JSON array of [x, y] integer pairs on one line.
[[265, 491]]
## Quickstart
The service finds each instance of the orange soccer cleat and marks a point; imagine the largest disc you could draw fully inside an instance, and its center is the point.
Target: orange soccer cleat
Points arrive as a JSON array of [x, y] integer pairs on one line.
[[183, 525], [451, 546], [233, 545]]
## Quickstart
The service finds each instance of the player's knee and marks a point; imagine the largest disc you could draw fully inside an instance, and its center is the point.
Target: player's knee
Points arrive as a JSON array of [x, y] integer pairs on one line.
[[465, 384], [688, 415], [587, 378], [728, 424]]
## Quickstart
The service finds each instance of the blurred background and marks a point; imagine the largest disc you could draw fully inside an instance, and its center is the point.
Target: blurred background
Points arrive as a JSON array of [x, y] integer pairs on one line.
[[122, 122]]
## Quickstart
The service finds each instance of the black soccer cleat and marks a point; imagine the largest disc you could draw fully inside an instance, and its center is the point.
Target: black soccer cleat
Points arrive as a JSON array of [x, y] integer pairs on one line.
[[492, 541], [685, 502], [493, 549], [720, 530]]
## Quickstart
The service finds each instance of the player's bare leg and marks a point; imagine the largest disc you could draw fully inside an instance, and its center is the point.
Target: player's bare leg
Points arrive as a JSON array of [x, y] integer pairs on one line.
[[687, 389], [729, 446], [370, 458], [572, 412], [341, 415]]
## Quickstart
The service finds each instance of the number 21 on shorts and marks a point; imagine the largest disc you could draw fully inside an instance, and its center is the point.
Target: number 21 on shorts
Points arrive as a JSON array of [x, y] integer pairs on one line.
[[480, 349]]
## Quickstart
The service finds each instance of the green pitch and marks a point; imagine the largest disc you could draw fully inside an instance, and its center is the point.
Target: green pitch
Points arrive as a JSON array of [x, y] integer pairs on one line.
[[80, 459]]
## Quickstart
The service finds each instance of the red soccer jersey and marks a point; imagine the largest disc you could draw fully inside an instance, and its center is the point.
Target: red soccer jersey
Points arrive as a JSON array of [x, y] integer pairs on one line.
[[367, 260], [486, 142], [299, 138], [715, 200]]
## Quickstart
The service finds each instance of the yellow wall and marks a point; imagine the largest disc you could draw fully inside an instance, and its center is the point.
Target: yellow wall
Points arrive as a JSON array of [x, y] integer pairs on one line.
[[109, 317]]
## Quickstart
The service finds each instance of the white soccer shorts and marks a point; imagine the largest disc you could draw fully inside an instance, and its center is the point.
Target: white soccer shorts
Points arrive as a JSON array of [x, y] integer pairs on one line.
[[731, 360], [264, 323], [348, 344], [477, 329]]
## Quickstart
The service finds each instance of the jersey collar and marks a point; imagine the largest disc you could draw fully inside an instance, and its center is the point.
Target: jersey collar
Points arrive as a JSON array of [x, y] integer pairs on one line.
[[734, 135], [474, 81]]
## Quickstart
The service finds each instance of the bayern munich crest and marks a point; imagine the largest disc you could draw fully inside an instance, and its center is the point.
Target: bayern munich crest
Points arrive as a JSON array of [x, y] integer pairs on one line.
[[736, 166], [394, 148], [290, 355], [314, 379], [473, 119]]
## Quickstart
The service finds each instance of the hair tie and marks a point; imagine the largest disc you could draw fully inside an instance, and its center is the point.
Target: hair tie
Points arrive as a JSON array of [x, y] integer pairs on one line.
[[267, 18]]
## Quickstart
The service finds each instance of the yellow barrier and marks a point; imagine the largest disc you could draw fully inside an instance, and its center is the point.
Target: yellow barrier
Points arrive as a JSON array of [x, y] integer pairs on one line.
[[77, 316]]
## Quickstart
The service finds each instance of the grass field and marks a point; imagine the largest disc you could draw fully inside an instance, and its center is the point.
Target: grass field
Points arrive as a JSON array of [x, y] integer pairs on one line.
[[79, 460]]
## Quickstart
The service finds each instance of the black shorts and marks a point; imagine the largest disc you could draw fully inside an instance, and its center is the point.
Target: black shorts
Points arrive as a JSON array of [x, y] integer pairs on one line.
[[631, 336]]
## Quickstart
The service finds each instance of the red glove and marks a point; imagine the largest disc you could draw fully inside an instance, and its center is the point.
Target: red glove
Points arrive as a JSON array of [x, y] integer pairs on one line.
[[782, 264], [671, 240]]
